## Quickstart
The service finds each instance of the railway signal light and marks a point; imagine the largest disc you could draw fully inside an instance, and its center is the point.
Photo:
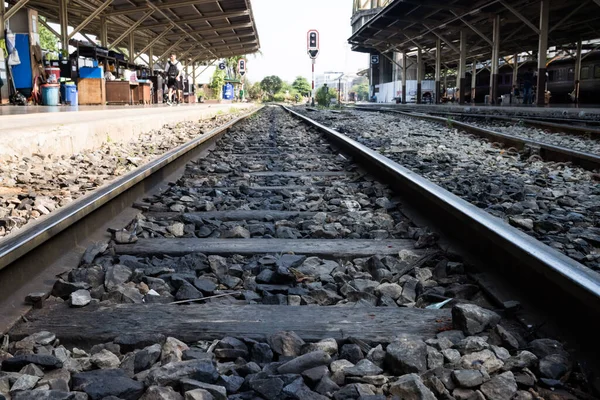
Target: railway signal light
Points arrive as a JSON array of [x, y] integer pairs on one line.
[[242, 66], [312, 43]]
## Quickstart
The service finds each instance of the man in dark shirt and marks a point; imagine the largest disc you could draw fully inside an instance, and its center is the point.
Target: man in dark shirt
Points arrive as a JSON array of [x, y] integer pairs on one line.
[[173, 69], [527, 86]]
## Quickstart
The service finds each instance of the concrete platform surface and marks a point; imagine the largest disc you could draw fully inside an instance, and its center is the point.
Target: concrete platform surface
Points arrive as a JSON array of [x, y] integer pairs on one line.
[[66, 130], [591, 111]]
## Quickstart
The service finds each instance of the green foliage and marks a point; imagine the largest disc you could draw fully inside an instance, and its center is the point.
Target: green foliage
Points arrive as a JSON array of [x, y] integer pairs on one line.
[[271, 84], [255, 91], [218, 80], [279, 97], [324, 96], [47, 40], [449, 123], [362, 91], [302, 86]]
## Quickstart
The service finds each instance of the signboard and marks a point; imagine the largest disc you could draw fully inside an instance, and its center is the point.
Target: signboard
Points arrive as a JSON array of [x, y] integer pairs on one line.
[[374, 58], [312, 43], [242, 66], [222, 66]]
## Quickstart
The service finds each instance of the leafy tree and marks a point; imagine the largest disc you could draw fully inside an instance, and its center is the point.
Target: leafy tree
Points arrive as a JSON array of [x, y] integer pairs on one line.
[[324, 96], [47, 39], [217, 82], [362, 91], [255, 92], [271, 84], [302, 86], [231, 64]]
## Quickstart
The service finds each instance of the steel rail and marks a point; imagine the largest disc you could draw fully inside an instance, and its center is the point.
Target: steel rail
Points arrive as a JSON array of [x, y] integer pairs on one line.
[[552, 275], [17, 245], [546, 151]]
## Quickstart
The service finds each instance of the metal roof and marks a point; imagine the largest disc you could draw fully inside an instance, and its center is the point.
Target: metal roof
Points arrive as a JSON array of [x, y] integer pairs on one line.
[[206, 29], [404, 25]]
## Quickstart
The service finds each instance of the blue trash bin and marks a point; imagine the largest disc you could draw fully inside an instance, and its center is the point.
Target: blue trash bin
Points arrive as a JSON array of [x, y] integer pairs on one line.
[[50, 94], [68, 92]]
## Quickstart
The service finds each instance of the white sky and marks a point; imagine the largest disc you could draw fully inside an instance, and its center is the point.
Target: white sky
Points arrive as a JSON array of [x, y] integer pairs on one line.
[[282, 26]]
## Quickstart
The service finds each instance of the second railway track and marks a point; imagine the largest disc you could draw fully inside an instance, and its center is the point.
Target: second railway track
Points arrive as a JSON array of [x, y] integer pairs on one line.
[[289, 226]]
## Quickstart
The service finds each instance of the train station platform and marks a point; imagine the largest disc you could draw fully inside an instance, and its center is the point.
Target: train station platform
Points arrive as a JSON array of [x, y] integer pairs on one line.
[[25, 131], [562, 111]]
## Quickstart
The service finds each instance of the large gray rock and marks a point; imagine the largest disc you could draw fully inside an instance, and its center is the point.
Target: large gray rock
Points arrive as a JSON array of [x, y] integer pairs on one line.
[[406, 355], [472, 319], [353, 391], [411, 387], [44, 361], [80, 298], [171, 373], [24, 382], [554, 366], [469, 378], [363, 368], [500, 387], [218, 392], [49, 395], [105, 359], [304, 362], [286, 343], [161, 393], [102, 383], [146, 358], [116, 275], [269, 388]]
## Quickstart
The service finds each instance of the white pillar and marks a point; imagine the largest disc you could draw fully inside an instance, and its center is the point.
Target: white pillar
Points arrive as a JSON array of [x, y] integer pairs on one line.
[[542, 51]]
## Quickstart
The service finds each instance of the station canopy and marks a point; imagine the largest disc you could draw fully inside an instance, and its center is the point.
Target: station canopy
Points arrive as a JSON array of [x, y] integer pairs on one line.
[[203, 29], [406, 25]]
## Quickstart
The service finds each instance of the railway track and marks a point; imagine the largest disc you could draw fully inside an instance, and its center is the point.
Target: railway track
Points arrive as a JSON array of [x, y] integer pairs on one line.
[[391, 285]]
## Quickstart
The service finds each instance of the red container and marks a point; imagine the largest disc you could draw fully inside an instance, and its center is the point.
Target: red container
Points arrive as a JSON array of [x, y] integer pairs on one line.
[[52, 74]]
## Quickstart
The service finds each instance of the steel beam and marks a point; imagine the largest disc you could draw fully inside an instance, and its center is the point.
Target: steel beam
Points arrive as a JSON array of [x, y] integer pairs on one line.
[[520, 16], [577, 70], [173, 4], [13, 9], [495, 60], [90, 18], [64, 27], [542, 52], [2, 18], [198, 20], [154, 41], [50, 29], [477, 31], [419, 74], [132, 28], [597, 2], [404, 69], [462, 67], [166, 53], [438, 70], [448, 43], [569, 15]]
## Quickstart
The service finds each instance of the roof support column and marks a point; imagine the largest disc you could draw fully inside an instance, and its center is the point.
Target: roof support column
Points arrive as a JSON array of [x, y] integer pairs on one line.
[[404, 69], [2, 19], [462, 67], [542, 51], [419, 74], [63, 17], [577, 70], [151, 60], [495, 60], [473, 81], [438, 70], [131, 48], [103, 32], [515, 75], [445, 82]]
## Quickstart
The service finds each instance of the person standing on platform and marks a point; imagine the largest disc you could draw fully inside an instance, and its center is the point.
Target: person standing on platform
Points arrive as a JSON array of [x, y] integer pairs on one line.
[[527, 86], [173, 69]]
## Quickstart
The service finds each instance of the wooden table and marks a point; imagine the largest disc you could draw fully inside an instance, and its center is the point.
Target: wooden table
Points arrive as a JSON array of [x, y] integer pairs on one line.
[[144, 93], [121, 92]]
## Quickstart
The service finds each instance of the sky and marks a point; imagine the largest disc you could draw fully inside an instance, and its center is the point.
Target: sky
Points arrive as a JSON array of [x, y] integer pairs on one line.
[[282, 26]]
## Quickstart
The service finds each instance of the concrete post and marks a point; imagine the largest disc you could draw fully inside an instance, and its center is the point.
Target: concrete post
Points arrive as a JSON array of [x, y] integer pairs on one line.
[[542, 52], [473, 81], [438, 70], [419, 74], [462, 67], [103, 32], [64, 26], [151, 60], [404, 69], [445, 82], [495, 60], [577, 75], [515, 77]]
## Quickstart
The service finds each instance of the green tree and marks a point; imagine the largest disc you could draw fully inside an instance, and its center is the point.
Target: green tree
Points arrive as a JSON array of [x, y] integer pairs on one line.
[[271, 84], [324, 96], [255, 92], [302, 86], [47, 39], [217, 82], [362, 91]]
